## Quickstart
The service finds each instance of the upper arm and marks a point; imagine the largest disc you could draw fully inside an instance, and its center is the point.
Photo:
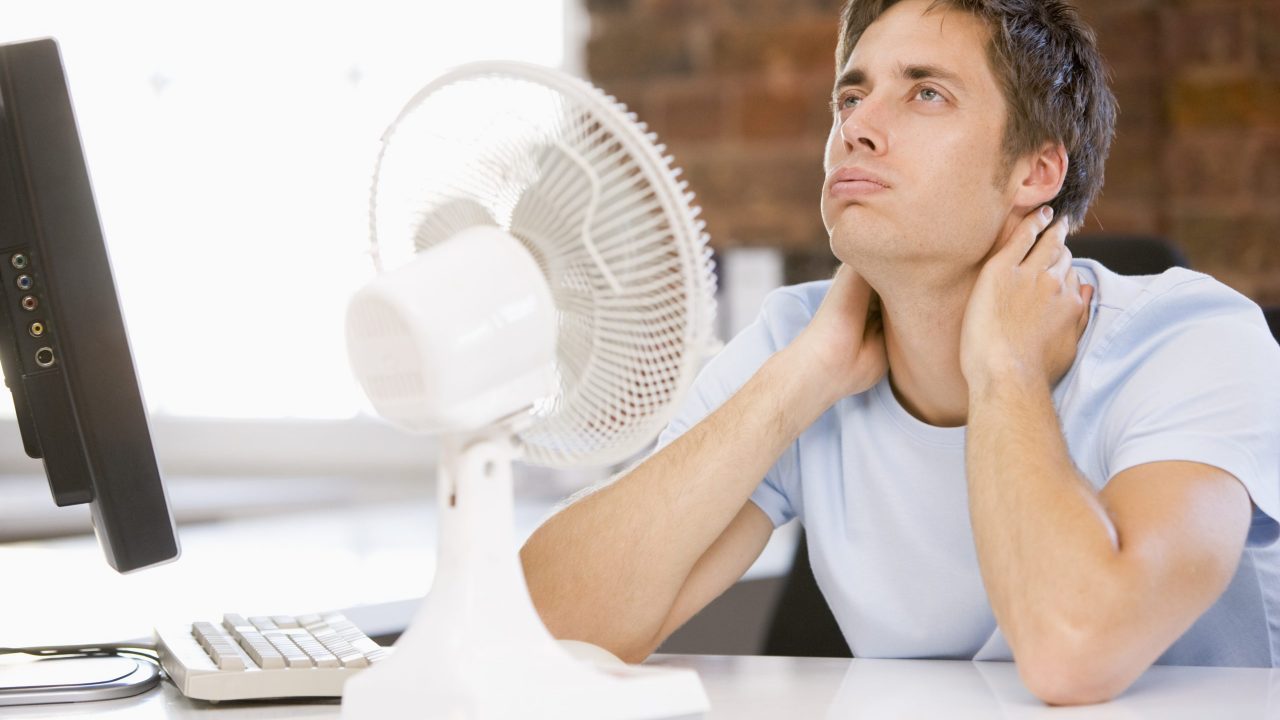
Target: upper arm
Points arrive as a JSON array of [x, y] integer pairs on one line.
[[1204, 392], [723, 564], [1189, 437], [1180, 525], [1181, 529]]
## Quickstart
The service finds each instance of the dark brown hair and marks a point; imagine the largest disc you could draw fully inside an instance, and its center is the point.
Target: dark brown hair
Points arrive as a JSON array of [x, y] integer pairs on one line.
[[1054, 80]]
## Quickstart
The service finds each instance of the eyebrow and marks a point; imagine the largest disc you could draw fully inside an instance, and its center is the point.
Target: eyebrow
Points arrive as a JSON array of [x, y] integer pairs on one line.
[[858, 76]]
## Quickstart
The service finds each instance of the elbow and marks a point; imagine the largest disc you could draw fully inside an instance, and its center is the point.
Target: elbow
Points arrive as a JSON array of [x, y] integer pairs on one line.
[[562, 615], [1079, 669], [1060, 682], [629, 654], [637, 652], [634, 656]]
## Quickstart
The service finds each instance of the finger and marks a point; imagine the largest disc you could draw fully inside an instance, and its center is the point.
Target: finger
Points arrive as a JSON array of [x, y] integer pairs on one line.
[[1072, 279], [1048, 246], [1086, 296], [1025, 233], [1085, 290], [1061, 269]]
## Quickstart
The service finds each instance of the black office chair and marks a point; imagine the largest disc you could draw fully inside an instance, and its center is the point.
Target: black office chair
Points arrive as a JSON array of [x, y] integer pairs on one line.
[[1129, 254], [1272, 314], [802, 624]]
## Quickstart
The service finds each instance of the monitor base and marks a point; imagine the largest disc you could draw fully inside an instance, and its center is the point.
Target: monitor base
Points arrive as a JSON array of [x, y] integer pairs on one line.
[[75, 679]]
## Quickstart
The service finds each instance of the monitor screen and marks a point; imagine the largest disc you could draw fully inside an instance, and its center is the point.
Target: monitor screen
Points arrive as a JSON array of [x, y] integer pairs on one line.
[[63, 346]]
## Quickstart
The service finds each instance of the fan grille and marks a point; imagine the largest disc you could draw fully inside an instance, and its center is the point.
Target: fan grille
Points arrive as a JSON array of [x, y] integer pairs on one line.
[[552, 160]]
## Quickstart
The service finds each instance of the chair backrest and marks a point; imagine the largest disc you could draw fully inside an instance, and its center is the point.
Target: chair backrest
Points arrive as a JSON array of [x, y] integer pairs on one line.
[[1129, 254], [1272, 314], [802, 624]]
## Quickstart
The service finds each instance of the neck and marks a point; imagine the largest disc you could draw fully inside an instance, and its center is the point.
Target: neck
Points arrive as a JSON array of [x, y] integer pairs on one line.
[[922, 323]]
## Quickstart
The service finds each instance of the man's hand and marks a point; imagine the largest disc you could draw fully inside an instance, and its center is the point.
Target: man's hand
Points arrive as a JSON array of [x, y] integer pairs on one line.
[[846, 337], [1028, 308]]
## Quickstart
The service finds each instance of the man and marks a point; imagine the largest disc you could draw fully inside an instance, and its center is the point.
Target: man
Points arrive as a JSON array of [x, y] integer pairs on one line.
[[998, 452]]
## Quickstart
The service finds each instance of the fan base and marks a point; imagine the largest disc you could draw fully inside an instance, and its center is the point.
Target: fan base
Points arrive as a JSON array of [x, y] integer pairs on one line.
[[477, 650], [528, 684]]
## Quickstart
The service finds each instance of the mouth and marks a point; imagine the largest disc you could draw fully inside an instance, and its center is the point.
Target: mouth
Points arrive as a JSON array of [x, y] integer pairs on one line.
[[856, 182], [856, 188]]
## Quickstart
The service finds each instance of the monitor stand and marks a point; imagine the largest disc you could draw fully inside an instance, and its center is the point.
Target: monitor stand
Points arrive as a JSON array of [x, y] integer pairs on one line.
[[75, 679]]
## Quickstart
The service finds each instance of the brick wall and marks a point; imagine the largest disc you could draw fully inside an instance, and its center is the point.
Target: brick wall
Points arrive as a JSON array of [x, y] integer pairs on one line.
[[738, 90]]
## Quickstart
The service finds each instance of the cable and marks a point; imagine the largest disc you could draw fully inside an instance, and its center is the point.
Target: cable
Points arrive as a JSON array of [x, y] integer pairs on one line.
[[139, 650]]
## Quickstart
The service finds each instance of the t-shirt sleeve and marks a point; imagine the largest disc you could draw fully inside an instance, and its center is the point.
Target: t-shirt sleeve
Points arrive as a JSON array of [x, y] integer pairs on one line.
[[781, 318], [1207, 392]]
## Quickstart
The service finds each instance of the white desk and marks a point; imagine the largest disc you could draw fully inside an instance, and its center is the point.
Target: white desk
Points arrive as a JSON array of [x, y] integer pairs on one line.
[[746, 688], [376, 560], [387, 553]]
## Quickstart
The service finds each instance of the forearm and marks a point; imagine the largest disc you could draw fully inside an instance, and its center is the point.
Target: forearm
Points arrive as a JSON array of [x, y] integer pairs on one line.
[[1047, 549], [608, 568]]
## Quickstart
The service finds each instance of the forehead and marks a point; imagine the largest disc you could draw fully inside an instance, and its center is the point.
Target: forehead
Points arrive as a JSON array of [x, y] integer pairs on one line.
[[910, 33]]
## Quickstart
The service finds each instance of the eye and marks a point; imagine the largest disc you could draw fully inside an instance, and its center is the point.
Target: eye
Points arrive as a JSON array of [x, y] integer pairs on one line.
[[845, 102], [930, 95]]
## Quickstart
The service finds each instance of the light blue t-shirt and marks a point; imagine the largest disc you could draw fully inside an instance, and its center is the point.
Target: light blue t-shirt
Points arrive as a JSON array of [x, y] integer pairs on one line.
[[1174, 366]]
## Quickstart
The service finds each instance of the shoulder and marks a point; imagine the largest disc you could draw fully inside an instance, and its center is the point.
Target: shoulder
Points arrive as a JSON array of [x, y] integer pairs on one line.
[[787, 310], [1179, 308], [784, 313], [1180, 350]]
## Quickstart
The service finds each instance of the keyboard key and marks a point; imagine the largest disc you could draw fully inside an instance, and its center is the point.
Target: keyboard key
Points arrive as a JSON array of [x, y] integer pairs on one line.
[[307, 621], [353, 659], [232, 622], [317, 652], [260, 650], [204, 632], [263, 623], [346, 653], [261, 656], [293, 655], [226, 658], [352, 634]]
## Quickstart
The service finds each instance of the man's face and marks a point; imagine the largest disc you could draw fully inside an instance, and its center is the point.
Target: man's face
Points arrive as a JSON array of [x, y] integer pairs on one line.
[[919, 110]]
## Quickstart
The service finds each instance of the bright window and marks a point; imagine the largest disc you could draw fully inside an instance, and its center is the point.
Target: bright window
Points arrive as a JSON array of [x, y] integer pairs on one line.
[[231, 146]]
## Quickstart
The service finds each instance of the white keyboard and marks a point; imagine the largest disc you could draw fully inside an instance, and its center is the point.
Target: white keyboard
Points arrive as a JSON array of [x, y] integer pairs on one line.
[[274, 656]]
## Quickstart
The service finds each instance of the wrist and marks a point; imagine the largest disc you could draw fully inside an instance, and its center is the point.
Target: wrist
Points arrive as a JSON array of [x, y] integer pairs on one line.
[[804, 380], [993, 383]]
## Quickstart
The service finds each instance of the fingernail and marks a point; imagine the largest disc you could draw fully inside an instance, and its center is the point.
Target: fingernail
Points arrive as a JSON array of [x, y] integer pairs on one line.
[[1047, 212]]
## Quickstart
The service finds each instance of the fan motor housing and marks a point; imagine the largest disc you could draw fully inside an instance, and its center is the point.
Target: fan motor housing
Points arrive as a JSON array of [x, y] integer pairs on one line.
[[459, 337]]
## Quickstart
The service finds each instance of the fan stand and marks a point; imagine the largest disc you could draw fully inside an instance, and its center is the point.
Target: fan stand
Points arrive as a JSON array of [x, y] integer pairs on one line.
[[476, 649]]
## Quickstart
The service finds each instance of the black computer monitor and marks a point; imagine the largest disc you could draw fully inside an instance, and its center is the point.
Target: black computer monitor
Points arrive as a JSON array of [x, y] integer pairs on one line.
[[63, 346]]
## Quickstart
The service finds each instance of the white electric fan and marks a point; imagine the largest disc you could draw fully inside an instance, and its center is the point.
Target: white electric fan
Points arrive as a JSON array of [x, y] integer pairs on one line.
[[544, 294]]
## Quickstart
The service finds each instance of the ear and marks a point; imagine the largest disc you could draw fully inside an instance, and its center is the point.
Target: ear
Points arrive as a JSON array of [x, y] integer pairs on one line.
[[1039, 176]]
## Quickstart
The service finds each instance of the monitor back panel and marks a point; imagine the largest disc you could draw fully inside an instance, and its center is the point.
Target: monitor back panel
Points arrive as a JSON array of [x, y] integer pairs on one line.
[[63, 344]]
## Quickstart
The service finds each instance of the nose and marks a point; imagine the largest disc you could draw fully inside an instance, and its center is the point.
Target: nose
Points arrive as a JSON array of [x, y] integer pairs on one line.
[[864, 128]]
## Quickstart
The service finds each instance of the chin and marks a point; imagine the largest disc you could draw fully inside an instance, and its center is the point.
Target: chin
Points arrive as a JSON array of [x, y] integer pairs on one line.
[[852, 242]]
